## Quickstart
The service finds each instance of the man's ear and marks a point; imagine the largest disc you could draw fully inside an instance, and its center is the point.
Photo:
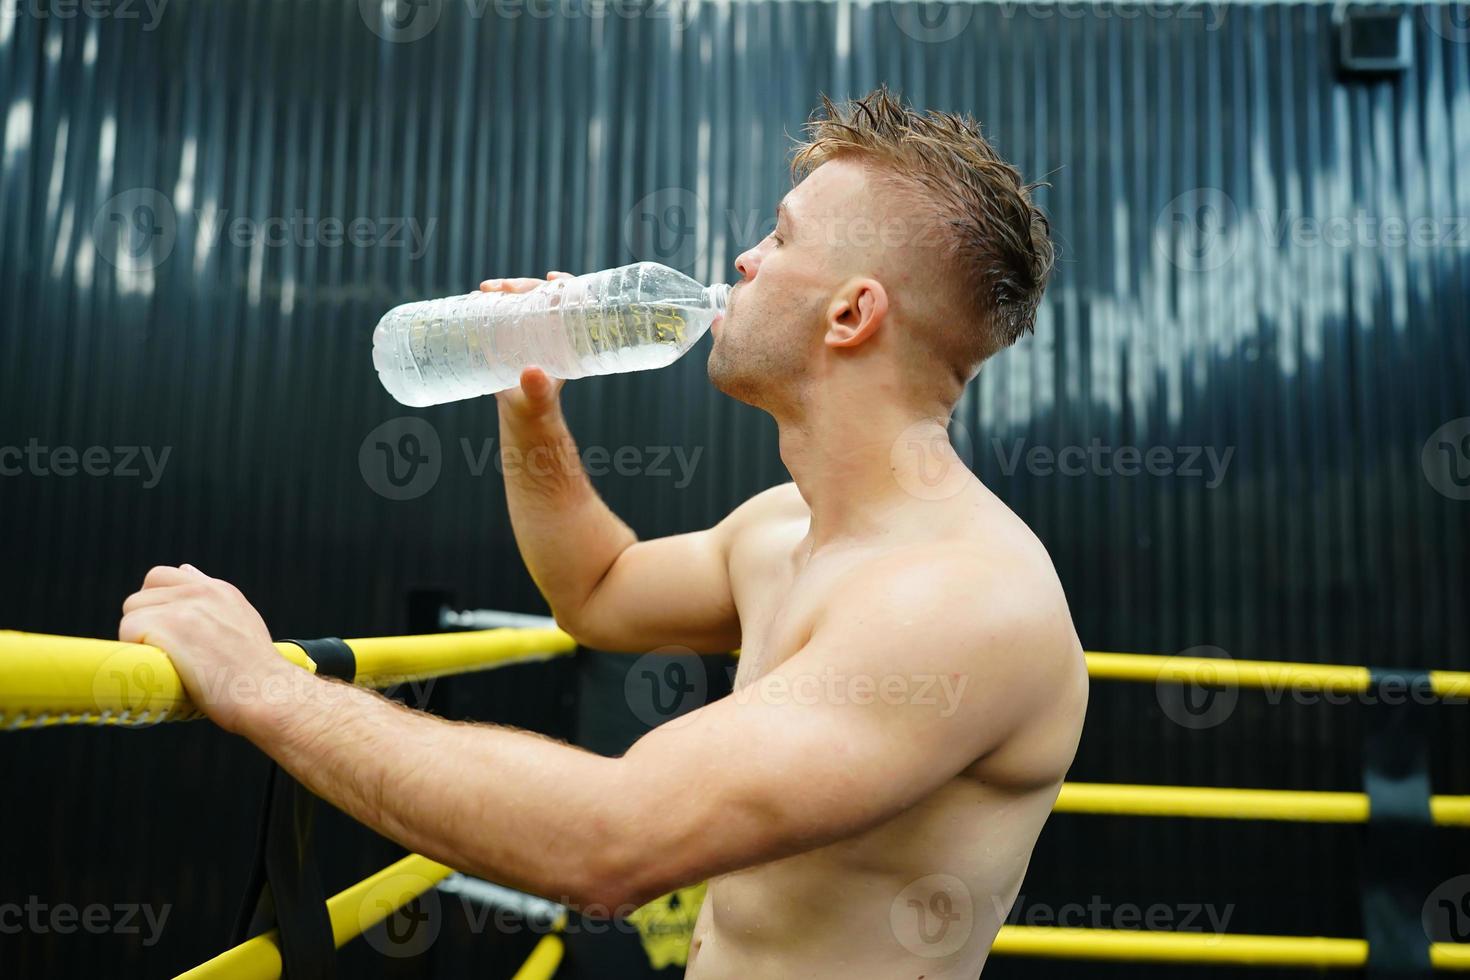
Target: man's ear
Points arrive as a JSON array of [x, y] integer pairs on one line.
[[855, 313]]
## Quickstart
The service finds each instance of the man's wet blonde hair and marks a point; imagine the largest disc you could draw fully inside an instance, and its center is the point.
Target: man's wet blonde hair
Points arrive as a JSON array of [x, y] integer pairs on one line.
[[991, 234]]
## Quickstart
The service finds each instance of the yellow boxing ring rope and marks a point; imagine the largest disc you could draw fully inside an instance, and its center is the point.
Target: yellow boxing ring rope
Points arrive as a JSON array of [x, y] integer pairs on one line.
[[55, 680]]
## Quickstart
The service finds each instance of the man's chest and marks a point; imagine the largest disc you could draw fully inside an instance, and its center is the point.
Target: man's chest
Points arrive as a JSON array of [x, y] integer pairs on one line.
[[780, 596]]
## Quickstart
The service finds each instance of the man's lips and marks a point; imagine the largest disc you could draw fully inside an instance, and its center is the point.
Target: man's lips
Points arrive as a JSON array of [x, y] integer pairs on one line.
[[729, 305]]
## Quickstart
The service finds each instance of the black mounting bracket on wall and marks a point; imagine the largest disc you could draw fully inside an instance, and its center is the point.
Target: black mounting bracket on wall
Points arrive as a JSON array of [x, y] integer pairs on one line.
[[1373, 39]]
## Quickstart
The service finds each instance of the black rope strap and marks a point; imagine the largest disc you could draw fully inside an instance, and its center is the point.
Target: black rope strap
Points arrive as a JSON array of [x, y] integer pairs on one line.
[[333, 657], [1396, 838], [285, 889]]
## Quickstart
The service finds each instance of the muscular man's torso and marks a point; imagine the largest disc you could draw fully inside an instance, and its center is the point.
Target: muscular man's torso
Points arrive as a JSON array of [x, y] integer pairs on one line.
[[923, 894]]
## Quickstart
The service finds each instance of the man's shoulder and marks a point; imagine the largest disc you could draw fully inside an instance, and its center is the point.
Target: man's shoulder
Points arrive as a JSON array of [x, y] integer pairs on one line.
[[993, 603], [781, 502], [783, 498]]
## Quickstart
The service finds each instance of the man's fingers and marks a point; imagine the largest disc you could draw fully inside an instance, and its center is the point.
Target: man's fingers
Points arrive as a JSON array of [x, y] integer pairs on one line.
[[524, 285], [135, 626], [151, 597], [521, 285], [537, 385], [534, 383], [195, 575], [162, 576]]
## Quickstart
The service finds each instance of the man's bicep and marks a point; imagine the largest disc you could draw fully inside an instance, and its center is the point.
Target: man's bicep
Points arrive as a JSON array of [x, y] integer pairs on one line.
[[810, 754], [665, 592], [871, 717], [676, 591]]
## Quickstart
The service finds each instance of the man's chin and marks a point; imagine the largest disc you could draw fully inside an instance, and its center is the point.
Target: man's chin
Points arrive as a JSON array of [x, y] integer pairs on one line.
[[718, 375], [727, 380]]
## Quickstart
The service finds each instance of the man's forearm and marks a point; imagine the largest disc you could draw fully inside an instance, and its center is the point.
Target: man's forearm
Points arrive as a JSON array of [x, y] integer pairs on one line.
[[515, 807], [567, 536]]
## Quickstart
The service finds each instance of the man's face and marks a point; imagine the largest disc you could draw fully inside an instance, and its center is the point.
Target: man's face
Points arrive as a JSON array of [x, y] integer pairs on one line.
[[776, 319]]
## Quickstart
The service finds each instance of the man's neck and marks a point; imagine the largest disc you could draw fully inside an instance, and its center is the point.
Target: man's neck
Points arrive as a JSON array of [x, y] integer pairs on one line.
[[855, 460]]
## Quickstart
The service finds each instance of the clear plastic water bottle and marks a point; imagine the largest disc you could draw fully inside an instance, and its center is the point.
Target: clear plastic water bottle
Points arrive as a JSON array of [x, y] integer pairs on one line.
[[627, 319]]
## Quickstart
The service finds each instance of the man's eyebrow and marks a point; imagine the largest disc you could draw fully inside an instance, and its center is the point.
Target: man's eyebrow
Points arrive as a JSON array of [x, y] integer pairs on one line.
[[782, 211]]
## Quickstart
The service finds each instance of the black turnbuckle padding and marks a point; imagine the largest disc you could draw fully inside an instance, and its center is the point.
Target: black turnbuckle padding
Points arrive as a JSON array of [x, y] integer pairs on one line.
[[285, 889], [1396, 839]]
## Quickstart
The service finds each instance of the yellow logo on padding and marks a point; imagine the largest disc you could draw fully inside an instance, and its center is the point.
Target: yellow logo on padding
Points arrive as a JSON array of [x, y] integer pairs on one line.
[[666, 926]]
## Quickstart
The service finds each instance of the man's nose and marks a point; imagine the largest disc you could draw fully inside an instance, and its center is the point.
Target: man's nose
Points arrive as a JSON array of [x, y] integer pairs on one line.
[[748, 262]]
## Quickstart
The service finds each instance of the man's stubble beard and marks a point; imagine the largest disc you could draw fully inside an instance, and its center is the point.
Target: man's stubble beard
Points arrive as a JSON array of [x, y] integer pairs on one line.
[[757, 374]]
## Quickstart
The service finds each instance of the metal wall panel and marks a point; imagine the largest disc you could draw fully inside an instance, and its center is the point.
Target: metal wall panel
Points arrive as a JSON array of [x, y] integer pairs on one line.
[[205, 207]]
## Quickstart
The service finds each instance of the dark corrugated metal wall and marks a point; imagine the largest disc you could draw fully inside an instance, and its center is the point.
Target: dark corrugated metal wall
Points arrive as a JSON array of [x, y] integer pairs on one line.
[[202, 216]]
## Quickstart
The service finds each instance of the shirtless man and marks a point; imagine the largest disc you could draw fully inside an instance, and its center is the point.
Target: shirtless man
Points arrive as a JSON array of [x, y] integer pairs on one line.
[[910, 691]]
